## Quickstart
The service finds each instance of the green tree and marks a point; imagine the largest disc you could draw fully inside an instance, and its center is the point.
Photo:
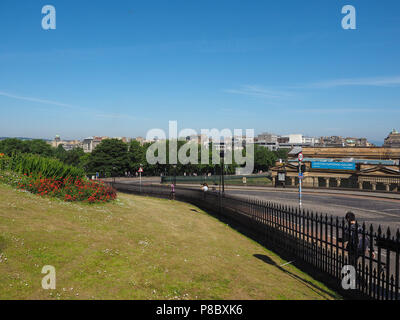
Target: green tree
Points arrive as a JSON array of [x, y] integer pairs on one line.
[[60, 153], [10, 146], [263, 158], [40, 147], [136, 155], [109, 158], [73, 157], [282, 154]]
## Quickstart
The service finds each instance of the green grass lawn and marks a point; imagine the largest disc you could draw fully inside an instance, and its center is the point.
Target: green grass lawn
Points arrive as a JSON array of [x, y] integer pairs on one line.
[[136, 248], [251, 181]]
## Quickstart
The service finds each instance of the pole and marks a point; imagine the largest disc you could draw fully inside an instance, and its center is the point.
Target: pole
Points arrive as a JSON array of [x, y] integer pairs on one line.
[[300, 182], [140, 177], [175, 175], [220, 180], [223, 178]]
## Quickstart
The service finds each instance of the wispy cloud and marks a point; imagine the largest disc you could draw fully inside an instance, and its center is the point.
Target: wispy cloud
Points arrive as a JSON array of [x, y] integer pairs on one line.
[[344, 110], [93, 112], [31, 99], [257, 91], [366, 82], [292, 90], [114, 116]]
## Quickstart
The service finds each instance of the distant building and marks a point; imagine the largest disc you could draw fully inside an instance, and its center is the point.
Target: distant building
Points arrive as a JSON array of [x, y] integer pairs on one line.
[[393, 140], [341, 142], [268, 140], [290, 141], [66, 144], [141, 140], [87, 145], [199, 139]]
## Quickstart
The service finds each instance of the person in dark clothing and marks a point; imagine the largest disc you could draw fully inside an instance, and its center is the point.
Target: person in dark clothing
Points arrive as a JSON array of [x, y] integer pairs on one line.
[[357, 244]]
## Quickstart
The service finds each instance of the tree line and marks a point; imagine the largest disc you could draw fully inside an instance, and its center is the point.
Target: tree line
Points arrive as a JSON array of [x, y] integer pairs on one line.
[[113, 157]]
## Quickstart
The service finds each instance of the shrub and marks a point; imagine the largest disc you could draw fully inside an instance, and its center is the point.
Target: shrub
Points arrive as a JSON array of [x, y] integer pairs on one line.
[[49, 177], [35, 165]]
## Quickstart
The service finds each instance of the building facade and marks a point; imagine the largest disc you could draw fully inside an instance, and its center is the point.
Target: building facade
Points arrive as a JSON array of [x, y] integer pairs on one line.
[[373, 169], [393, 140]]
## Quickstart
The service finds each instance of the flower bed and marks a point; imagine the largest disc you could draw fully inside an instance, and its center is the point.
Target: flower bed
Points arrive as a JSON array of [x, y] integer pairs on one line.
[[67, 189]]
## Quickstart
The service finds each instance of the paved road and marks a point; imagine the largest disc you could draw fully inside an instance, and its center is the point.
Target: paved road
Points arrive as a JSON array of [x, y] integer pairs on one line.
[[377, 211], [385, 212]]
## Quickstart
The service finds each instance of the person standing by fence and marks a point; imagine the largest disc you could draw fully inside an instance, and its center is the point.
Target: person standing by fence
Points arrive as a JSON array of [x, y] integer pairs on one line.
[[357, 244], [172, 194]]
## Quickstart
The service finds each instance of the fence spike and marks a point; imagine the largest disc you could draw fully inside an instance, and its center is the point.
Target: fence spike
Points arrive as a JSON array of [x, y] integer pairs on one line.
[[388, 234]]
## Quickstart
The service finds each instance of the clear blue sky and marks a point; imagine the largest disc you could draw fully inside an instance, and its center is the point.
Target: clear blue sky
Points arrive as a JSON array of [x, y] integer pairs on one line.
[[120, 68]]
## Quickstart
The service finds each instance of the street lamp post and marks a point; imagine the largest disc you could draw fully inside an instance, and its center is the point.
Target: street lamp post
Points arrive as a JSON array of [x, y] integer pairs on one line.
[[114, 168], [222, 156], [300, 158], [140, 177], [174, 174]]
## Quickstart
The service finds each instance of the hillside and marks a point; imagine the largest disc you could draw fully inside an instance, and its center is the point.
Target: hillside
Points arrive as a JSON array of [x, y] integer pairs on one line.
[[135, 248]]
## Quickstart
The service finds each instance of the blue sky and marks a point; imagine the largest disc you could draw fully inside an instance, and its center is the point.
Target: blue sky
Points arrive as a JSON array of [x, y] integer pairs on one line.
[[120, 68]]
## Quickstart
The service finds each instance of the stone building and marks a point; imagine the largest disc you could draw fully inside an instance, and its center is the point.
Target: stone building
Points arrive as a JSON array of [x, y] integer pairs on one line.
[[374, 169], [393, 140]]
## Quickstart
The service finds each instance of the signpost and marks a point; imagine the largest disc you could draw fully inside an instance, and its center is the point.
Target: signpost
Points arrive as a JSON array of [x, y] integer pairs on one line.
[[301, 158], [140, 177], [222, 156]]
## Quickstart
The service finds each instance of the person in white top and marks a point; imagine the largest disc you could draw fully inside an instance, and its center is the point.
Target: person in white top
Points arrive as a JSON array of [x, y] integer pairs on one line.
[[204, 188]]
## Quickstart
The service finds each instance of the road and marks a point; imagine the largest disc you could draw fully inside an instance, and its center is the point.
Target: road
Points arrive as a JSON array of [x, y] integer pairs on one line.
[[368, 209], [377, 211]]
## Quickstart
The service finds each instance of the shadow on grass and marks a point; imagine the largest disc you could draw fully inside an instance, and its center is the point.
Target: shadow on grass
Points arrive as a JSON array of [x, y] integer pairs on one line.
[[309, 284], [2, 244]]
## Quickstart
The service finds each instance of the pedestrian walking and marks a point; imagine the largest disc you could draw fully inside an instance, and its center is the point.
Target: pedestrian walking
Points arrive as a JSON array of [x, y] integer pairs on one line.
[[204, 188]]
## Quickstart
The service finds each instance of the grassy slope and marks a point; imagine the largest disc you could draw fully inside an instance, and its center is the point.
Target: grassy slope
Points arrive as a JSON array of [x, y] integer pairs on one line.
[[135, 248]]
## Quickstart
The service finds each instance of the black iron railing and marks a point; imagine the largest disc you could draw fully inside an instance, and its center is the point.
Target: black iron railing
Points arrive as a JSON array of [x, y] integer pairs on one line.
[[320, 242]]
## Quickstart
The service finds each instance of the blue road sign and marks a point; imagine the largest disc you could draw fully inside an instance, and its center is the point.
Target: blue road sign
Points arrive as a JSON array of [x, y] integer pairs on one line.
[[333, 165]]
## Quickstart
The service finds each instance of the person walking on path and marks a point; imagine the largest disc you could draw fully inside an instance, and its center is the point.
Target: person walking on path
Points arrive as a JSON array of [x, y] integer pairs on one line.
[[205, 189]]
